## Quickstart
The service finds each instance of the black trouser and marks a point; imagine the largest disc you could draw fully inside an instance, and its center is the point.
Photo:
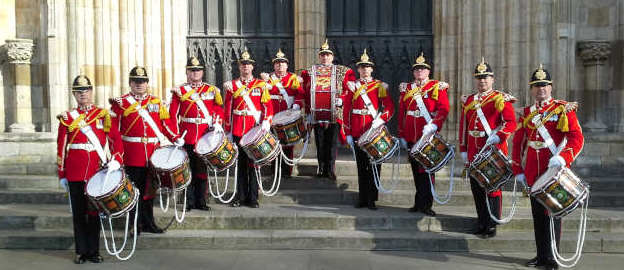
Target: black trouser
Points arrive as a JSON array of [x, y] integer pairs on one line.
[[86, 227], [247, 185], [478, 193], [423, 199], [541, 227], [289, 152], [139, 176], [196, 193], [368, 191], [326, 140]]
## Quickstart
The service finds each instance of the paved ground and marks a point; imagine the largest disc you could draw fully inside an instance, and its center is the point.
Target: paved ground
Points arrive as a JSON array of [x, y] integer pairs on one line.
[[292, 260]]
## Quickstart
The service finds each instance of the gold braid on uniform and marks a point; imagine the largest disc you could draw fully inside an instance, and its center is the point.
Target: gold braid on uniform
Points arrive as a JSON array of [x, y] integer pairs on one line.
[[435, 91], [562, 110], [294, 82], [217, 98], [382, 92]]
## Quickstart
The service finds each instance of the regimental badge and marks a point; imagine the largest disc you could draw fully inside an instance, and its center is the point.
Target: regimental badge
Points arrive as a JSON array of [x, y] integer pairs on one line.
[[140, 71], [325, 45], [195, 62], [540, 74], [481, 67], [280, 54], [245, 55], [82, 81], [420, 59]]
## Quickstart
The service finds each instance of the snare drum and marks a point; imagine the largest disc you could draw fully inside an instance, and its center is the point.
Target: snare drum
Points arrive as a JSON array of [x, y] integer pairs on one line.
[[432, 152], [114, 196], [260, 145], [289, 127], [216, 150], [170, 166], [378, 143], [560, 191], [491, 168]]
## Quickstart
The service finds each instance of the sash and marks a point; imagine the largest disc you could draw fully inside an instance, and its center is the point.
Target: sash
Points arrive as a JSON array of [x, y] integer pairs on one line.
[[278, 83], [364, 95], [541, 129], [147, 118], [250, 106], [421, 105], [200, 104], [88, 131]]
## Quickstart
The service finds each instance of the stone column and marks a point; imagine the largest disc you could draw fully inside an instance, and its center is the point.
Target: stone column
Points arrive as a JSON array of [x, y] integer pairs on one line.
[[19, 110], [309, 31], [595, 54]]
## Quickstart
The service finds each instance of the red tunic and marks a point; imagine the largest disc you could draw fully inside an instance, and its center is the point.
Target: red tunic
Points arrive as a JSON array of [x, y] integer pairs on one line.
[[133, 127], [498, 110], [237, 118], [322, 91], [356, 124], [292, 85], [80, 164], [186, 114], [529, 154], [411, 122]]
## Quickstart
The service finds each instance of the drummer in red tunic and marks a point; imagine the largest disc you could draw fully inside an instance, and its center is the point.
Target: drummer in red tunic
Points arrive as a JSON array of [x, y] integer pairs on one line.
[[247, 104], [367, 105], [143, 122], [413, 124], [497, 123], [285, 87], [532, 154], [79, 158], [195, 108], [323, 86]]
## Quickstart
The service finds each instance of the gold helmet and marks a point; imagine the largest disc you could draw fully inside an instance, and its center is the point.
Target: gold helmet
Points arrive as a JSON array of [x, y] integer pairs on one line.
[[280, 57], [325, 48], [81, 83], [246, 58], [138, 73], [421, 62], [194, 64], [540, 77], [483, 69], [365, 60]]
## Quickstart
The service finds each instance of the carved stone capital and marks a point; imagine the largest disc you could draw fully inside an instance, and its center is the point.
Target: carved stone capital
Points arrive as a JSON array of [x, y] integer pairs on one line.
[[594, 52], [18, 51]]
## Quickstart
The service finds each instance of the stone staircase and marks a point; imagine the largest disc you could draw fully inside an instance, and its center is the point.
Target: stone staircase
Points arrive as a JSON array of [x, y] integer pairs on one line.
[[311, 213]]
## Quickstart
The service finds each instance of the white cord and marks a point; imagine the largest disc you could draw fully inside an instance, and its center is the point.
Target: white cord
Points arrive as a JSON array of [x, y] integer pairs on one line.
[[218, 195], [394, 178], [294, 161], [514, 200], [115, 251], [277, 177], [448, 196], [579, 243]]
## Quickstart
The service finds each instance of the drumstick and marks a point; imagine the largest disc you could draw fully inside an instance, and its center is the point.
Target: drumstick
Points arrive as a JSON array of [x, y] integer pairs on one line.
[[176, 148]]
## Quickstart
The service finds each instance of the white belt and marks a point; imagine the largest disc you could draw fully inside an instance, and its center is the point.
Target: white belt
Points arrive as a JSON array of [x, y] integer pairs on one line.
[[244, 112], [415, 113], [360, 112], [537, 145], [276, 97], [477, 133], [195, 120], [82, 146], [139, 139]]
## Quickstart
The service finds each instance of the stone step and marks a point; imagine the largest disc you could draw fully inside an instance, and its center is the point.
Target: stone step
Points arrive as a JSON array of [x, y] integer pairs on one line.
[[322, 239], [302, 217], [348, 167], [320, 196]]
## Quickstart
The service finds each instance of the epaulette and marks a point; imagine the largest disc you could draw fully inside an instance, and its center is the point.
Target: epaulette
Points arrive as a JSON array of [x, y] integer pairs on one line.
[[507, 97], [464, 98], [63, 116], [568, 106], [442, 85], [176, 90], [351, 86], [402, 87], [228, 86], [384, 85], [116, 100], [300, 79]]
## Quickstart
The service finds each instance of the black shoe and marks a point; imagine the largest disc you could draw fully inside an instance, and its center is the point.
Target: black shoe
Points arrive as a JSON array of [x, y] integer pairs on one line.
[[235, 204], [535, 262], [80, 259], [254, 205], [479, 231], [203, 207], [188, 207], [413, 209], [550, 265], [372, 206], [360, 205], [95, 258], [153, 229], [489, 233], [331, 176], [429, 212]]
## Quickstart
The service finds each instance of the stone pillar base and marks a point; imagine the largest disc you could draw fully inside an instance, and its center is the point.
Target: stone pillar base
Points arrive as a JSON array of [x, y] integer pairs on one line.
[[22, 128]]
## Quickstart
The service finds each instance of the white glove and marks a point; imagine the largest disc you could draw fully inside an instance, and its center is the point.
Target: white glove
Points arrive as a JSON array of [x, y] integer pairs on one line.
[[338, 102], [64, 184], [464, 157], [493, 139], [378, 122], [113, 165], [264, 76], [350, 140], [429, 128], [230, 137], [522, 179], [403, 143], [266, 125], [179, 142], [556, 161], [296, 107], [217, 128]]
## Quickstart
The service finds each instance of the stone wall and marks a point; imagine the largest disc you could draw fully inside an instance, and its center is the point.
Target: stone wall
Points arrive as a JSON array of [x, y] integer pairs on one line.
[[28, 153]]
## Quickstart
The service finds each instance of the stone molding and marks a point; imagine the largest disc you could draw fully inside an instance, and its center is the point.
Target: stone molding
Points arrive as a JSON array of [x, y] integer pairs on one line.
[[594, 52]]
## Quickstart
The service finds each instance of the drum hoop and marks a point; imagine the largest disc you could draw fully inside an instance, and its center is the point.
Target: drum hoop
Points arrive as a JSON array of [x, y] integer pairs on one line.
[[386, 156], [234, 157], [270, 157], [107, 194], [217, 149], [185, 160], [209, 152], [289, 125], [127, 208], [565, 210]]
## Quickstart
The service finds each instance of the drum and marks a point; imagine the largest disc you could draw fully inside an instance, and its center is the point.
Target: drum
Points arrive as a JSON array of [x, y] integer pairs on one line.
[[560, 191], [432, 152], [378, 143], [491, 168], [289, 127], [170, 166], [216, 150], [260, 145], [114, 196]]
